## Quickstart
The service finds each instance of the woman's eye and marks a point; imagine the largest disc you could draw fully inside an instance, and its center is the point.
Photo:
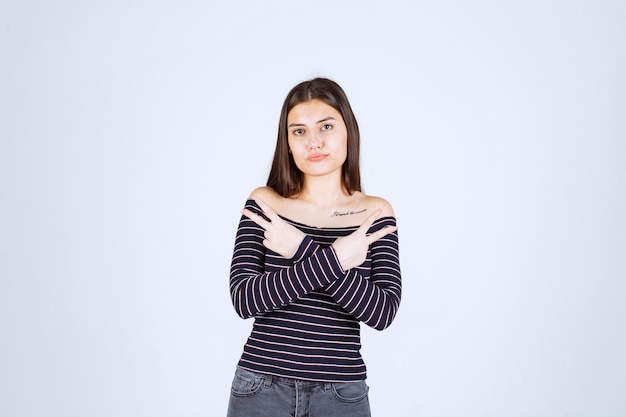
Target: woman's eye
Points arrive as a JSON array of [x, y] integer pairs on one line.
[[298, 131], [327, 127]]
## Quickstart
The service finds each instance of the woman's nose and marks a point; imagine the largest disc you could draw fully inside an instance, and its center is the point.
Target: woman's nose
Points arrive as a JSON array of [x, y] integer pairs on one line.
[[314, 141]]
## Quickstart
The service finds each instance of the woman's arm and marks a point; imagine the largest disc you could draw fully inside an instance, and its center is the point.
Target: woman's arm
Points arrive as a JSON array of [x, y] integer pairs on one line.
[[255, 291], [373, 301]]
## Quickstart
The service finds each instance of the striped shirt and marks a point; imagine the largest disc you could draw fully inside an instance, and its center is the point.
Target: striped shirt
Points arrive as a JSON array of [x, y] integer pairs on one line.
[[307, 309]]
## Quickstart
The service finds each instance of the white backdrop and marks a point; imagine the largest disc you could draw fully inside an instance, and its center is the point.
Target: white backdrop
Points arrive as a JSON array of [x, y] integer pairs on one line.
[[131, 133]]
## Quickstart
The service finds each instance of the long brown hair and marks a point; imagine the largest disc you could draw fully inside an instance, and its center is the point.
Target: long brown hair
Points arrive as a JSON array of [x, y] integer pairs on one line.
[[285, 177]]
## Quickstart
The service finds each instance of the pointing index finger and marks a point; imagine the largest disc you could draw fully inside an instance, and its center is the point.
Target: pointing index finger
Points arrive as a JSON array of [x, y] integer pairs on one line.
[[255, 218], [370, 221], [267, 210], [381, 233]]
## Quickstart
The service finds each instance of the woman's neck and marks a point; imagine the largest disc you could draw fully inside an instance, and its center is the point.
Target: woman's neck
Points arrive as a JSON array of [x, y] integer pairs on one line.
[[322, 193]]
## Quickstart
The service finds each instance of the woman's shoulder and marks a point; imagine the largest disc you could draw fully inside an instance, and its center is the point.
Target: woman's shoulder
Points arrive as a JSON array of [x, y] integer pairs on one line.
[[269, 196], [374, 203], [266, 194]]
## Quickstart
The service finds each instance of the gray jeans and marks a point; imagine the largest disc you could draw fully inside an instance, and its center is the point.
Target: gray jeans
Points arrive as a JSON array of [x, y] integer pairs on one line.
[[259, 395]]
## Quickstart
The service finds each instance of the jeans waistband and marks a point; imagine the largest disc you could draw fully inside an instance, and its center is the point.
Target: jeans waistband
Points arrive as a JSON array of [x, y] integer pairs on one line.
[[299, 382], [269, 379]]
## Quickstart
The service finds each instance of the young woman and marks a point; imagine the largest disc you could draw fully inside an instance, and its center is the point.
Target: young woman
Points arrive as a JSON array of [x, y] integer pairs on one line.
[[313, 257]]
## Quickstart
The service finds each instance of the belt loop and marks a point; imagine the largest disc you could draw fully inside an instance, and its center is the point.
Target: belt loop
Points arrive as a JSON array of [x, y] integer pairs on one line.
[[327, 386], [267, 381]]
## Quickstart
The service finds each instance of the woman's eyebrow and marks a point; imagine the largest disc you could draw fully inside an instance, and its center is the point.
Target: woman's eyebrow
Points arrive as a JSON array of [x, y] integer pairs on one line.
[[325, 119]]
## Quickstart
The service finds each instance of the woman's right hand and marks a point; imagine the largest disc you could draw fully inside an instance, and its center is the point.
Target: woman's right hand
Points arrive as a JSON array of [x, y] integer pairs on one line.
[[280, 236], [352, 249]]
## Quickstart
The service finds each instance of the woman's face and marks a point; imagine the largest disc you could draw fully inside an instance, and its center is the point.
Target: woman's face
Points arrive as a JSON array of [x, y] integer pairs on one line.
[[318, 138]]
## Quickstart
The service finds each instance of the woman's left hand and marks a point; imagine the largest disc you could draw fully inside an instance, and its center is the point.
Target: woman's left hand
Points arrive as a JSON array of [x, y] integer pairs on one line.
[[352, 249], [280, 236]]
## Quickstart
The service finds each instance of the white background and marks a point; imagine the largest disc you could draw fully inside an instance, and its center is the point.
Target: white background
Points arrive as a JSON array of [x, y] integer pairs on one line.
[[131, 133]]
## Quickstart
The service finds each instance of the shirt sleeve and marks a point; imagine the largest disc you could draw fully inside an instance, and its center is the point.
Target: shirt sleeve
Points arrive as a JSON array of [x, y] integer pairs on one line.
[[374, 300], [256, 291]]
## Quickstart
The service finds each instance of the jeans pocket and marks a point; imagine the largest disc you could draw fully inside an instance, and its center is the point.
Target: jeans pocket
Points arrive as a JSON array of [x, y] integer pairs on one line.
[[350, 392], [246, 383]]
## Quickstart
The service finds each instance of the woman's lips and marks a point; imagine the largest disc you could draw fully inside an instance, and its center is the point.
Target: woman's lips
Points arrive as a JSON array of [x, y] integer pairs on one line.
[[316, 157]]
